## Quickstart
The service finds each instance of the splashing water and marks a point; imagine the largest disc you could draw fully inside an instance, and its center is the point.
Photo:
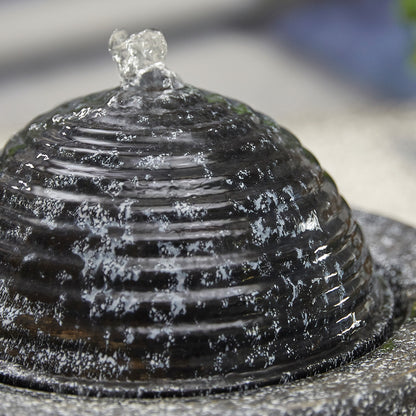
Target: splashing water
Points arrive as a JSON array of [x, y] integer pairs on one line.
[[140, 59]]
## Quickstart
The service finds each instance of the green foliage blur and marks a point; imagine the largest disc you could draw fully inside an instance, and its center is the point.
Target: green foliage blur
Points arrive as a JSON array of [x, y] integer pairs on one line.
[[409, 12], [409, 8]]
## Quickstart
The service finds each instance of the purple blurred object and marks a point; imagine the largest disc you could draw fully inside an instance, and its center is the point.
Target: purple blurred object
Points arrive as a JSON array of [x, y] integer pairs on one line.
[[367, 40]]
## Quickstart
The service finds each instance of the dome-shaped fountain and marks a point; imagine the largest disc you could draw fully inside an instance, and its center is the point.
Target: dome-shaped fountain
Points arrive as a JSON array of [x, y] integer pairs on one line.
[[161, 239]]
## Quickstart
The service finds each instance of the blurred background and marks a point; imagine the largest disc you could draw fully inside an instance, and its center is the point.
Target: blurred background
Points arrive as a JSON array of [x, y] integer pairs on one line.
[[340, 74]]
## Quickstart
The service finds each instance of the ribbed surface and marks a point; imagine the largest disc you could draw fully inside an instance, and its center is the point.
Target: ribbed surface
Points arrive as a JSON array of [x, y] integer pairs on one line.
[[177, 236]]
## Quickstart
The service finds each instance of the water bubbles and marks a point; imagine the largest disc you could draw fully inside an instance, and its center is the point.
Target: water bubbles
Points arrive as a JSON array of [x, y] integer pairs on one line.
[[139, 54]]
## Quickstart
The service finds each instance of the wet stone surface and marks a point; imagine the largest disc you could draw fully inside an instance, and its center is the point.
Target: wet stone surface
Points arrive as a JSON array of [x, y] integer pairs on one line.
[[172, 240], [382, 382]]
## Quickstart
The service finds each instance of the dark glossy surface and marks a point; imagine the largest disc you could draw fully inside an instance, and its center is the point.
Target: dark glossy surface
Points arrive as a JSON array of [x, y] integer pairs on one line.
[[381, 383], [176, 241]]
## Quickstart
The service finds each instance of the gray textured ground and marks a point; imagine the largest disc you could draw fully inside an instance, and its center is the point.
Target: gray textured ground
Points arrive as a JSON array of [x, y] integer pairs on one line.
[[381, 383]]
